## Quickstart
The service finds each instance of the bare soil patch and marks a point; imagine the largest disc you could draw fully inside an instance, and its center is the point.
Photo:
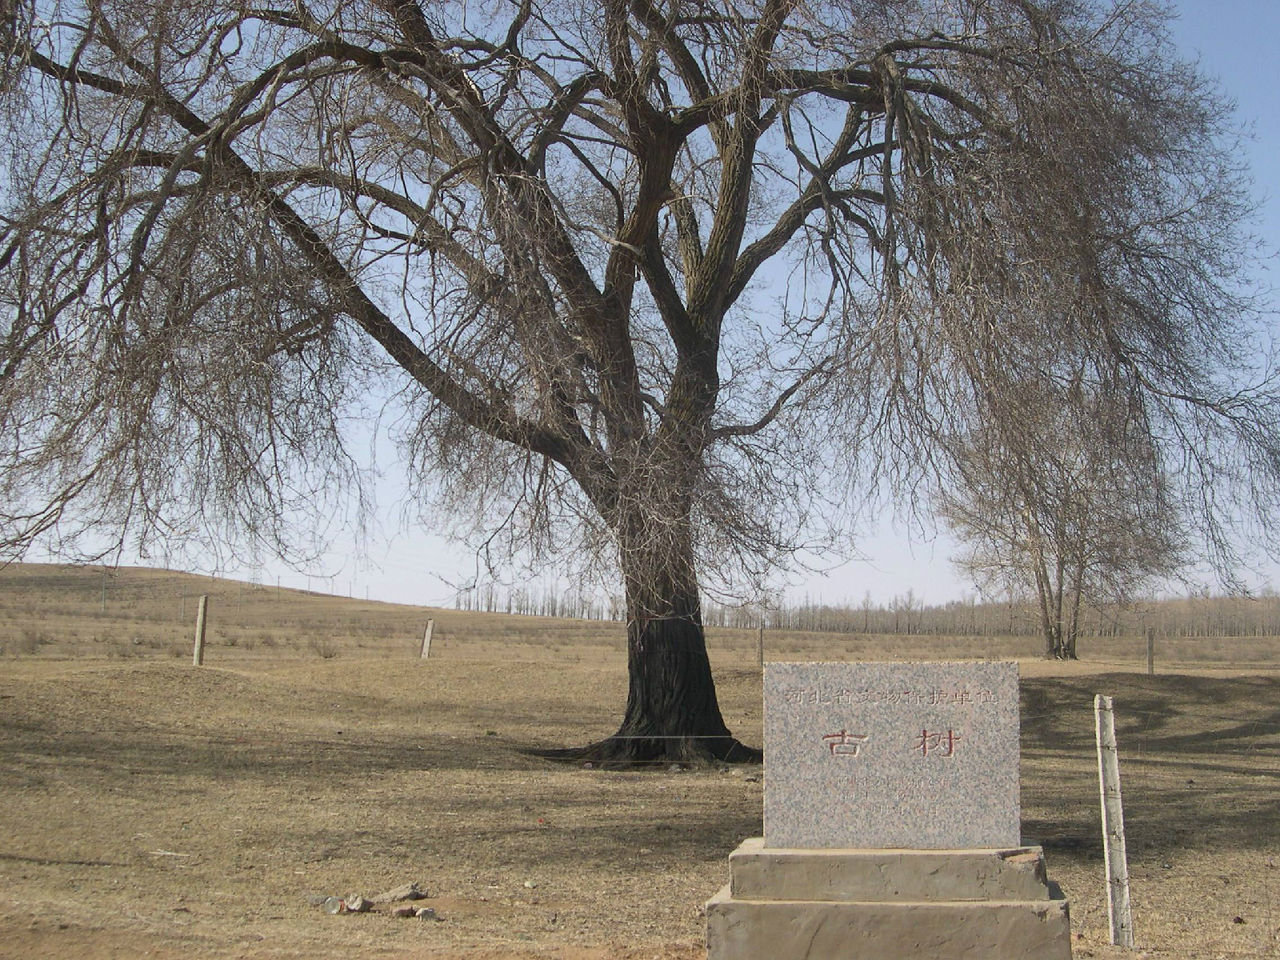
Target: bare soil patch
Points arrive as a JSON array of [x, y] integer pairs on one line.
[[150, 808]]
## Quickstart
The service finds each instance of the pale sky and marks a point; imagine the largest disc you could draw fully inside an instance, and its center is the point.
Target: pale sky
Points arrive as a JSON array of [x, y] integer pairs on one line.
[[1235, 40]]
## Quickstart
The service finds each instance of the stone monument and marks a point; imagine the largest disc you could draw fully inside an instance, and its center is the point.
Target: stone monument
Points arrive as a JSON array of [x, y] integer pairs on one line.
[[891, 823]]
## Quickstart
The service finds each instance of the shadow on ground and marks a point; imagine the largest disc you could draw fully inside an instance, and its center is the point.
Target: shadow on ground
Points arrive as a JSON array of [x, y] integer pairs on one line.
[[1199, 759]]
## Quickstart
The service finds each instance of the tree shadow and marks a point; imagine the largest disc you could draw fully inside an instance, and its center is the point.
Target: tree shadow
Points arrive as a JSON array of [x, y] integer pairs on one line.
[[1199, 759]]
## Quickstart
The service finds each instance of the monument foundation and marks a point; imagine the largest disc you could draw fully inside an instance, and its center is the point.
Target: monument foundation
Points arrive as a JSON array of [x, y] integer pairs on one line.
[[886, 904], [859, 758]]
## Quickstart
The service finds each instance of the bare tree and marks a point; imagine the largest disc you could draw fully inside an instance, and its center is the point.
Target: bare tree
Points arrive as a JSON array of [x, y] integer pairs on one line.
[[664, 283], [1067, 510]]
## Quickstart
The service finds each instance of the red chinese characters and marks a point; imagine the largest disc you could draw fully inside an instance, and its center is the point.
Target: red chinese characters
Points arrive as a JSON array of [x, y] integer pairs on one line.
[[844, 743], [937, 744]]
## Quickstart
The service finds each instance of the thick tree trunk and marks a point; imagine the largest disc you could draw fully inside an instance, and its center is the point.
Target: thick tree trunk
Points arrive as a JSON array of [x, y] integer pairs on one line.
[[672, 710], [672, 713]]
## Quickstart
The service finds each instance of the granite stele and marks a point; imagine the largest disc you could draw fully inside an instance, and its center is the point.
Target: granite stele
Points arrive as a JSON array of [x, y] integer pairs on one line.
[[891, 823]]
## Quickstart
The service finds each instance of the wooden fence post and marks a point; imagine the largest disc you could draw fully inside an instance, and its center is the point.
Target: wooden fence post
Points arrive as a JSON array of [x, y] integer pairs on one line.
[[1151, 652], [197, 657], [760, 644], [1117, 860], [426, 639]]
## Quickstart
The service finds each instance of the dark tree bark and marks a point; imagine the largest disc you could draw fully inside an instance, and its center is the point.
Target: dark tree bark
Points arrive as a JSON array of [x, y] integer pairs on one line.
[[672, 713]]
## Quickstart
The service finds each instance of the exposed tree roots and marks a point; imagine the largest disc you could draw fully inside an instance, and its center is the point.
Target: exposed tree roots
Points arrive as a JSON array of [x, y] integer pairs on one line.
[[637, 752]]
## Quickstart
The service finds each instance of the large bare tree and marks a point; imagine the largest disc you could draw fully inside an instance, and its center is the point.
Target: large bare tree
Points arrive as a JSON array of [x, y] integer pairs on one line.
[[666, 280]]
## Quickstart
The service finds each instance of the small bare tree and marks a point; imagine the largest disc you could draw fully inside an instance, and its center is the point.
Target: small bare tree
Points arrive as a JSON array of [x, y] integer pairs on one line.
[[1065, 509], [665, 283]]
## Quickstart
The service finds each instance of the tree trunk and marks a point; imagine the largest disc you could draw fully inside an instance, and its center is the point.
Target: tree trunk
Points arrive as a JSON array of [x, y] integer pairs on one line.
[[1077, 587], [1043, 599], [1060, 641], [672, 713]]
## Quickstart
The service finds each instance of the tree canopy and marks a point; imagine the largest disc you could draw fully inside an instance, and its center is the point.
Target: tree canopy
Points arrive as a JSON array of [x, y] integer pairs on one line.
[[666, 282], [1066, 505]]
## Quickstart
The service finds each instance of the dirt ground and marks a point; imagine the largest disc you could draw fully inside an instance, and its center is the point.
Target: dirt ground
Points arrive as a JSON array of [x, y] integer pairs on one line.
[[149, 808]]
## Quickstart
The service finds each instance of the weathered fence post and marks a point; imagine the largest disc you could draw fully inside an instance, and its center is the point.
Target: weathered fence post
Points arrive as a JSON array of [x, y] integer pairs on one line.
[[198, 656], [760, 644], [1151, 652], [1117, 860], [426, 639]]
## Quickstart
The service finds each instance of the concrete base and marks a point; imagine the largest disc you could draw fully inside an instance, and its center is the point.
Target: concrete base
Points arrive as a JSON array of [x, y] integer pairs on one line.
[[887, 905]]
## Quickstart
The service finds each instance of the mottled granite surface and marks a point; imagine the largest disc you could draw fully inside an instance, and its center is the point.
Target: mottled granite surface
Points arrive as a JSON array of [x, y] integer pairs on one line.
[[889, 755]]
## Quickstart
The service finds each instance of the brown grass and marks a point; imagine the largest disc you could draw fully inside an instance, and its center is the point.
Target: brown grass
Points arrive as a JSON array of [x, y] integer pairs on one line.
[[151, 808]]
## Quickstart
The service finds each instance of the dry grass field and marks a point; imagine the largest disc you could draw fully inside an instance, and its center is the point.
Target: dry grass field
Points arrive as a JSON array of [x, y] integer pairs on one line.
[[149, 808]]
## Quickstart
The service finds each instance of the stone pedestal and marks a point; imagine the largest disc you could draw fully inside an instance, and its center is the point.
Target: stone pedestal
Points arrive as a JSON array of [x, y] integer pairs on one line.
[[810, 904]]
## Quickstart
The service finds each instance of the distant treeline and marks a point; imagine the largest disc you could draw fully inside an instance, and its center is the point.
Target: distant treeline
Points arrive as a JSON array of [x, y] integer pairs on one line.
[[540, 602], [1199, 616], [1182, 617], [36, 588]]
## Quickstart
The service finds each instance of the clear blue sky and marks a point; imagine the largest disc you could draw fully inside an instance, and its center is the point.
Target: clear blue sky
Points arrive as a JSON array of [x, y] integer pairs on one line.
[[1236, 43]]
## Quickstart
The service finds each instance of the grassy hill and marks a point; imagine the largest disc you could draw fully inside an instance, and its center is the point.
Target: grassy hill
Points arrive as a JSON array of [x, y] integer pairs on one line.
[[63, 610]]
